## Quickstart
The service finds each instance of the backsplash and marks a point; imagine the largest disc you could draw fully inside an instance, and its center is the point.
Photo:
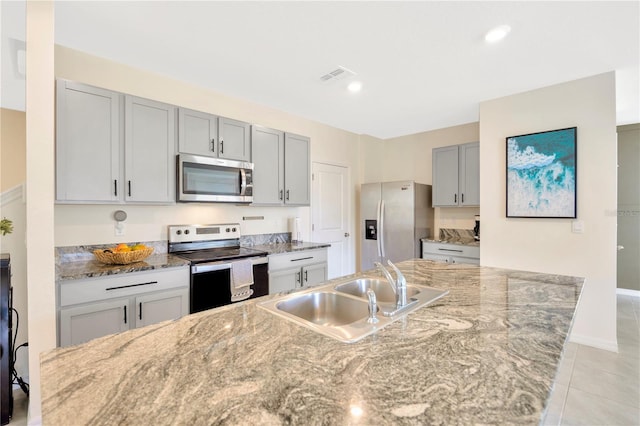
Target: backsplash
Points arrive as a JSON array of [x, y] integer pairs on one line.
[[83, 253], [456, 235]]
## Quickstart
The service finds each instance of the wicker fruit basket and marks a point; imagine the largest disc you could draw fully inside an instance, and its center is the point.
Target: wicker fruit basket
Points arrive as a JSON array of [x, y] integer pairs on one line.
[[122, 258]]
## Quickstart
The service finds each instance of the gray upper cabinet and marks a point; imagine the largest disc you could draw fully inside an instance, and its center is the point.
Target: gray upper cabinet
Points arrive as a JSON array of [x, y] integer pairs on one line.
[[267, 146], [281, 167], [235, 139], [456, 175], [201, 133], [149, 150], [296, 169], [87, 144], [113, 148], [197, 132]]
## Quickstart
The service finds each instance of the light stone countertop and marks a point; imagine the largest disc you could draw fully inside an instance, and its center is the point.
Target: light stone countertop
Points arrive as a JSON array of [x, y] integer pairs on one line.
[[487, 353], [280, 248]]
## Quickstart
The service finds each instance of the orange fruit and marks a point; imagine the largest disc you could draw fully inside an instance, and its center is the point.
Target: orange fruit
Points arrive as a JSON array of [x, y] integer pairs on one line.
[[139, 247], [122, 248]]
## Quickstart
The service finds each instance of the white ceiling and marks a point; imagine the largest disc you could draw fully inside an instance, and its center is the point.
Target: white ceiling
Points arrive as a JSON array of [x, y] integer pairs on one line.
[[424, 65]]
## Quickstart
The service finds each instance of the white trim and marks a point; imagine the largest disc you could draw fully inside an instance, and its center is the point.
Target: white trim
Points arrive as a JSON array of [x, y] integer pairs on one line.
[[628, 292], [607, 345], [15, 193]]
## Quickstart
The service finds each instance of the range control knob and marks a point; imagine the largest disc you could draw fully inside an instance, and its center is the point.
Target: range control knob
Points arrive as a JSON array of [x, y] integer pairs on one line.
[[178, 232], [186, 231], [233, 229]]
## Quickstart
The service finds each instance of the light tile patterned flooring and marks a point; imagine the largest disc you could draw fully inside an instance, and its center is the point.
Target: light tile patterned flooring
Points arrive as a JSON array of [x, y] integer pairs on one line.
[[598, 387], [594, 387]]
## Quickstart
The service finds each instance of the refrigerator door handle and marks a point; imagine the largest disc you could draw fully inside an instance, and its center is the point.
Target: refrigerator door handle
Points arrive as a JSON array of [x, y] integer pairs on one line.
[[381, 230]]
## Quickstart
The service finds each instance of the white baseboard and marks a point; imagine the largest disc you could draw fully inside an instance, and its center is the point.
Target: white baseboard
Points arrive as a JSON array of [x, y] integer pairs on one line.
[[607, 345], [628, 292]]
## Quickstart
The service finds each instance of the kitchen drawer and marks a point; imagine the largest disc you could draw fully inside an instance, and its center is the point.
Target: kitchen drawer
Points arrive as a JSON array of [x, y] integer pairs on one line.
[[73, 292], [297, 259], [450, 250]]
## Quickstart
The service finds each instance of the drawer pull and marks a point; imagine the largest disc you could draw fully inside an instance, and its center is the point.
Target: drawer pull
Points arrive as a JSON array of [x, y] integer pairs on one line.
[[444, 249], [131, 285], [125, 313], [302, 258]]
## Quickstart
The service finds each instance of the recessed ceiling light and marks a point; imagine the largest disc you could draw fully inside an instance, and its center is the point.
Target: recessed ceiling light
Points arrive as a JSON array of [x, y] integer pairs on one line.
[[355, 86], [497, 34]]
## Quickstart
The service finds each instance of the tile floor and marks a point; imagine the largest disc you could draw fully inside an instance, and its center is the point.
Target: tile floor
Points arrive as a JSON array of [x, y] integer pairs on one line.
[[594, 387], [598, 387]]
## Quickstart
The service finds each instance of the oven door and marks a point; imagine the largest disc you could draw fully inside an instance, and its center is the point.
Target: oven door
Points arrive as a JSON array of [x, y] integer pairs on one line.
[[210, 283], [208, 179]]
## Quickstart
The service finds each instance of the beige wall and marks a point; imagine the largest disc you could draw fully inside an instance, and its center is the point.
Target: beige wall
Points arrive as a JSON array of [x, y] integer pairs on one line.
[[40, 101], [548, 245], [12, 148], [629, 206]]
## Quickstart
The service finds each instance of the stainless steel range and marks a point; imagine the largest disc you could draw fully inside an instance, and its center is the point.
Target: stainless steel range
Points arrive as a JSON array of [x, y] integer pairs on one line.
[[222, 272]]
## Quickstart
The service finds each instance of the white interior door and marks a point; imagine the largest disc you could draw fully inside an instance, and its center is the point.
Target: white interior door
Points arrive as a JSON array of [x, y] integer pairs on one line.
[[330, 216]]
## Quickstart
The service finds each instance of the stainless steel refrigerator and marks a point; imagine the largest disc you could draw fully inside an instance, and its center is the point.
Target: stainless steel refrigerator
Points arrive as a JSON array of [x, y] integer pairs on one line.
[[394, 217]]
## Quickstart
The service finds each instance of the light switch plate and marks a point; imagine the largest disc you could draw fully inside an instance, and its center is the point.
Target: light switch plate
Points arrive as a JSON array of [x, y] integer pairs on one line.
[[577, 226]]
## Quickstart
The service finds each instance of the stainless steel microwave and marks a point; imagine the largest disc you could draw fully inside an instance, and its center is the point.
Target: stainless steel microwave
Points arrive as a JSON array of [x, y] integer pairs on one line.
[[208, 179]]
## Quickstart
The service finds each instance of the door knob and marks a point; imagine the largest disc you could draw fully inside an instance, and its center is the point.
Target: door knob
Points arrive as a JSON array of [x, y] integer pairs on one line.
[[346, 234]]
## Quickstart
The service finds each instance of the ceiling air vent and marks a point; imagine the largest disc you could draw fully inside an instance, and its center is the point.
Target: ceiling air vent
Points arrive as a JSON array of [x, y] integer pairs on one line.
[[337, 74]]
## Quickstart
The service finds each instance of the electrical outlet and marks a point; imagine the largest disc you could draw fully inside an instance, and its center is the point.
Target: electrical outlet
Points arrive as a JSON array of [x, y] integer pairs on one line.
[[119, 229]]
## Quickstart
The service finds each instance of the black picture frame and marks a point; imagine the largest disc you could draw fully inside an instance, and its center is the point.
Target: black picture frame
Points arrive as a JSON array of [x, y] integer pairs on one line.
[[541, 174]]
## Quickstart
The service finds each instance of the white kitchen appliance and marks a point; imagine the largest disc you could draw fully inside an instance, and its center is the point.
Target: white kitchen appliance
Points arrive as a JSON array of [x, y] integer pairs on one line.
[[394, 217]]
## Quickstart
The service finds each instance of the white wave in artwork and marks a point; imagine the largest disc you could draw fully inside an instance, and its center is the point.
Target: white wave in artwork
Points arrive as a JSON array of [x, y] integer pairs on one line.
[[546, 191], [527, 158]]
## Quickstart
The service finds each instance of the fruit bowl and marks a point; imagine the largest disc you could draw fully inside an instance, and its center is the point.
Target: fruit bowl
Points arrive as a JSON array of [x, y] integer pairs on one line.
[[110, 257]]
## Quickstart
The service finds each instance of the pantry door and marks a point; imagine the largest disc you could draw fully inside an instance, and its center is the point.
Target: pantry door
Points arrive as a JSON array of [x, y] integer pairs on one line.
[[330, 202]]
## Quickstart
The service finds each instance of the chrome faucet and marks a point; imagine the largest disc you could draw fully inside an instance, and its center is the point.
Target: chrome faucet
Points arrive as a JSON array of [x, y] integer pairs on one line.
[[373, 307], [399, 285]]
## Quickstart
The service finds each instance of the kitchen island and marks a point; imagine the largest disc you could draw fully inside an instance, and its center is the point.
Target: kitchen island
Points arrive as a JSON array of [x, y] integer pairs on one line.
[[486, 353]]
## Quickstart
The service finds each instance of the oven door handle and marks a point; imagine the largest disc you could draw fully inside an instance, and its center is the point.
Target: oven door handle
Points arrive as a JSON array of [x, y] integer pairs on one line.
[[243, 182], [219, 266]]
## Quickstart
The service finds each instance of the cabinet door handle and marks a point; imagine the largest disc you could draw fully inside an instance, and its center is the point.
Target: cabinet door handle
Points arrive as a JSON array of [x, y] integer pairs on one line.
[[455, 198], [462, 195], [140, 314], [306, 276], [298, 278], [129, 184], [213, 144], [287, 195], [221, 147], [115, 187], [281, 194], [125, 313]]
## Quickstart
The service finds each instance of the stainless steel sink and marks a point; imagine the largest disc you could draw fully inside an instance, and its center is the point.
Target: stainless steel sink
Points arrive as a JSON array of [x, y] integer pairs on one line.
[[341, 311], [326, 309], [382, 288]]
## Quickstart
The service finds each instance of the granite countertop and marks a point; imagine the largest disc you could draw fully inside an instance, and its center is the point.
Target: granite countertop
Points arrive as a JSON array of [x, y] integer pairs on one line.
[[279, 248], [471, 243], [487, 353], [82, 264], [92, 268]]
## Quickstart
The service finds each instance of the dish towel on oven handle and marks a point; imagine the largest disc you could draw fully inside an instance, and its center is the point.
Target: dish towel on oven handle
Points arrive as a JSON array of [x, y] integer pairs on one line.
[[241, 280]]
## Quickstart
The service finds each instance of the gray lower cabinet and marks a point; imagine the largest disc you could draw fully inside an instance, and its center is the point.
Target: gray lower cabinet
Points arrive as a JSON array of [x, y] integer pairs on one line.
[[95, 307], [451, 253], [304, 268], [200, 133], [281, 172], [113, 148], [456, 175]]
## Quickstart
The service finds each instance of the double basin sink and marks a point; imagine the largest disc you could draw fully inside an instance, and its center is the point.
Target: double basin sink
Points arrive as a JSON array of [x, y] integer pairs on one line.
[[341, 310]]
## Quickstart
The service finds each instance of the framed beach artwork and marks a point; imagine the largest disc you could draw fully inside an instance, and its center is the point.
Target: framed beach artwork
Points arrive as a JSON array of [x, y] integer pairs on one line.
[[541, 174]]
